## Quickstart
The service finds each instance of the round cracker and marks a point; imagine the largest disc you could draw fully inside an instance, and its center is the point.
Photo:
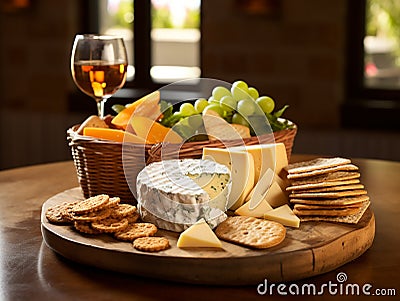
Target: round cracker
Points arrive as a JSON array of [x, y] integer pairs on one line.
[[110, 225], [251, 232], [93, 216], [61, 213], [137, 230], [91, 204], [123, 210], [151, 244]]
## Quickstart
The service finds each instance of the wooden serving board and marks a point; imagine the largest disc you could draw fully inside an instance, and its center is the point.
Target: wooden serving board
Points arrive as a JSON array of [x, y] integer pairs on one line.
[[312, 249]]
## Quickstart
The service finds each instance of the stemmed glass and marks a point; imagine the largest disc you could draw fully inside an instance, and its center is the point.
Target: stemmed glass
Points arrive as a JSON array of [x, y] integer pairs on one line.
[[98, 66]]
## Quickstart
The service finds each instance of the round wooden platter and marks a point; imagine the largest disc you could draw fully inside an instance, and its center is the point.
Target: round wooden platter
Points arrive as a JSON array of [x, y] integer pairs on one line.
[[312, 249]]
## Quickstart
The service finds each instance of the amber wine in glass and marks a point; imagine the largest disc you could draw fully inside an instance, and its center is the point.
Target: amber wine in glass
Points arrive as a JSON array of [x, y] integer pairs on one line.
[[98, 66]]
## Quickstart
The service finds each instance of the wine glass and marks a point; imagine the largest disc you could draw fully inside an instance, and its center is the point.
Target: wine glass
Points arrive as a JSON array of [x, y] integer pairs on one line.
[[98, 66]]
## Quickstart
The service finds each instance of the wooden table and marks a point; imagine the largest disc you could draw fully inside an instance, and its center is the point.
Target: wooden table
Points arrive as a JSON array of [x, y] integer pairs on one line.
[[30, 270]]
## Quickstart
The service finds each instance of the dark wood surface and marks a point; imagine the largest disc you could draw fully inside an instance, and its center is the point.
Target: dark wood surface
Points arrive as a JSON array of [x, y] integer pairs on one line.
[[30, 270]]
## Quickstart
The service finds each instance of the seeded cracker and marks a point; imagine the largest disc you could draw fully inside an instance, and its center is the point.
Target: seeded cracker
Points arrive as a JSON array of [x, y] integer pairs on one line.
[[60, 214], [316, 172], [134, 231], [316, 164], [110, 225], [93, 216], [332, 188], [91, 204], [329, 195], [123, 210], [305, 186], [151, 244], [85, 227], [329, 177], [251, 232]]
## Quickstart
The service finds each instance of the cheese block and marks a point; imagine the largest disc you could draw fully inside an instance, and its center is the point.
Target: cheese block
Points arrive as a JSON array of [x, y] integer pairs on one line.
[[262, 207], [241, 165], [199, 235], [283, 215], [265, 183], [113, 135], [272, 155], [175, 194], [275, 196]]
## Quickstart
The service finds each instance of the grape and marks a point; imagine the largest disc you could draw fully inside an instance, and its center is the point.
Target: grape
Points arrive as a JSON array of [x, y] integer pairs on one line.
[[266, 103], [228, 103], [200, 104], [239, 119], [214, 107], [241, 84], [219, 92], [187, 109], [195, 121], [211, 100], [253, 93], [246, 107]]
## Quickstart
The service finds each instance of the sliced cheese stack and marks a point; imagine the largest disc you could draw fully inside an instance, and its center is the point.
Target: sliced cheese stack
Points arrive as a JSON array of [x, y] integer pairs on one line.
[[175, 194], [327, 189]]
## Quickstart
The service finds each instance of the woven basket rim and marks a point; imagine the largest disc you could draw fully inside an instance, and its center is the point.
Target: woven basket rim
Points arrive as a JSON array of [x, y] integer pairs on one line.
[[75, 137]]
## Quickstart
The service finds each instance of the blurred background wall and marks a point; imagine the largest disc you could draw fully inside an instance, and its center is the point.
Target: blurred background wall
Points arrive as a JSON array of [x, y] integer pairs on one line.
[[298, 57]]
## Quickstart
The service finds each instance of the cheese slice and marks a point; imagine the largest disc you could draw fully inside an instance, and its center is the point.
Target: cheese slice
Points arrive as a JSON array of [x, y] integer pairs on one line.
[[113, 134], [199, 235], [259, 211], [266, 156], [283, 215], [241, 165], [275, 196], [266, 184]]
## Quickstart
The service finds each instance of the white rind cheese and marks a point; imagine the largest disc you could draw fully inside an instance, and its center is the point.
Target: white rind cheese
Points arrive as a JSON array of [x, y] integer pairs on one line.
[[175, 194]]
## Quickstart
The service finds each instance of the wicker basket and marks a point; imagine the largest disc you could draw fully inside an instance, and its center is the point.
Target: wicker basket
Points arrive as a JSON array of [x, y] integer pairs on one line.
[[100, 167]]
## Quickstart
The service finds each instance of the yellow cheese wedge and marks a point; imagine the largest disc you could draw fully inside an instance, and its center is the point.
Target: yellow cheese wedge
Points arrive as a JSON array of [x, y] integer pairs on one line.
[[265, 184], [199, 235], [275, 196], [283, 215], [241, 165], [259, 211], [113, 135], [272, 155]]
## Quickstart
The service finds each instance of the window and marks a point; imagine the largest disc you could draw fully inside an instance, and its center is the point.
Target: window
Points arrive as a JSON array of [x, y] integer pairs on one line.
[[373, 65], [162, 37]]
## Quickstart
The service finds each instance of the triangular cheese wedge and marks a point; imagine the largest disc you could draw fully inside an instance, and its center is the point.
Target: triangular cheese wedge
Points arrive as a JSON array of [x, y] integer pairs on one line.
[[283, 215], [275, 196], [259, 211], [199, 235]]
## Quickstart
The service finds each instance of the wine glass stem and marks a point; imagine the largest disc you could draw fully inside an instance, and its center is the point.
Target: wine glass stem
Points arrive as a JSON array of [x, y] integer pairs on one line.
[[100, 107]]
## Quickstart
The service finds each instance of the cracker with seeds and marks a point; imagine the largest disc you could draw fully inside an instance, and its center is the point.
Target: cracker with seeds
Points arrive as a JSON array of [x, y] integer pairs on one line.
[[329, 177], [349, 219], [93, 216], [332, 188], [85, 227], [151, 244], [110, 225], [251, 232], [91, 204], [328, 195], [123, 210], [316, 172], [61, 214], [136, 230], [316, 164], [327, 202], [306, 186]]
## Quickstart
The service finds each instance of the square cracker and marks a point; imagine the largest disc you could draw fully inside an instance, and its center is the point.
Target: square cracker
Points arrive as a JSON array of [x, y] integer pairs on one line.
[[350, 219], [325, 212], [332, 188], [328, 177], [316, 172], [329, 195], [327, 202], [322, 185], [319, 163], [326, 207]]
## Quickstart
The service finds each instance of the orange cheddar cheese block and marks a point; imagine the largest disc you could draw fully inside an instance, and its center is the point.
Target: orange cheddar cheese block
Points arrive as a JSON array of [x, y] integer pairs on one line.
[[153, 131], [113, 135]]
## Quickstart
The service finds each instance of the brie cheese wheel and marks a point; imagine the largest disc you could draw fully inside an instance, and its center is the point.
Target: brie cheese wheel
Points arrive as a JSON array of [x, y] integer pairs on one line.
[[175, 194]]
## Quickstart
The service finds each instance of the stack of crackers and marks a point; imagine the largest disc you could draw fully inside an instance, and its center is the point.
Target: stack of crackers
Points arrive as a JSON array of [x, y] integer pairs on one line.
[[327, 189]]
